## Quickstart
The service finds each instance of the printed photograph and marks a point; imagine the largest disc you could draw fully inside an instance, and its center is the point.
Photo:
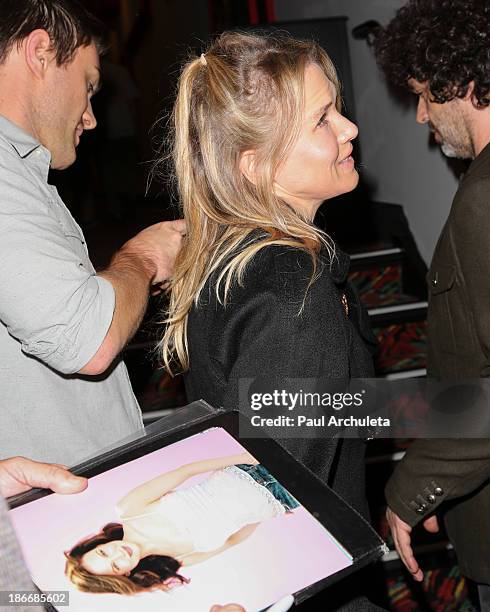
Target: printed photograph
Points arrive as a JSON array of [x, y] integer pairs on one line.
[[197, 523]]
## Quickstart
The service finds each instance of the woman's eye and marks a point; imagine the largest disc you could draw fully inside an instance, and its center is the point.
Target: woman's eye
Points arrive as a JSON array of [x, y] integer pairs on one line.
[[323, 120], [115, 567], [102, 553]]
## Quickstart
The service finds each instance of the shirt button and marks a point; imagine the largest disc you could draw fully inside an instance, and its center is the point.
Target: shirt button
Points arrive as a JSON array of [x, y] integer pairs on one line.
[[438, 491]]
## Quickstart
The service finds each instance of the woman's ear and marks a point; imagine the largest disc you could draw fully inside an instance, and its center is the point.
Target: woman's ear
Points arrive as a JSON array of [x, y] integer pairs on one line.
[[247, 165]]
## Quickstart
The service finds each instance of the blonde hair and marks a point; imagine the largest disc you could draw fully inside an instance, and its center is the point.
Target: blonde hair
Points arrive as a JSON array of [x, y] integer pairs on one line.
[[246, 93]]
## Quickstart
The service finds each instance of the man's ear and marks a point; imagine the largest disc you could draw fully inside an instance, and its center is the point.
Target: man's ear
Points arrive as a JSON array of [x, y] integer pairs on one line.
[[470, 92], [247, 165], [38, 52]]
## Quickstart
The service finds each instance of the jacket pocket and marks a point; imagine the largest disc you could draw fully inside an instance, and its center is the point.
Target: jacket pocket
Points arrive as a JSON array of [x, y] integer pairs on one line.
[[441, 284], [440, 279]]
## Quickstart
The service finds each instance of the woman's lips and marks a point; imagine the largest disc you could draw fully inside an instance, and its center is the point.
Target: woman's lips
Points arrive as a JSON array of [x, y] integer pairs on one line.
[[348, 161], [78, 133], [128, 551]]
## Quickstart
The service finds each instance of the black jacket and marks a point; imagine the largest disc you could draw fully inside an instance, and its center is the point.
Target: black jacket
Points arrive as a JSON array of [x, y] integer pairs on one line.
[[259, 332], [456, 471]]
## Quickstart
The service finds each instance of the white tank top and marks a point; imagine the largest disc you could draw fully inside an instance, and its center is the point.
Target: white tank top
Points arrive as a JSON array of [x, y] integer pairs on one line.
[[208, 513]]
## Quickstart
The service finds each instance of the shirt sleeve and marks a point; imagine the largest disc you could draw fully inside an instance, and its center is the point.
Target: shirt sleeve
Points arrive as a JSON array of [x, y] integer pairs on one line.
[[58, 310]]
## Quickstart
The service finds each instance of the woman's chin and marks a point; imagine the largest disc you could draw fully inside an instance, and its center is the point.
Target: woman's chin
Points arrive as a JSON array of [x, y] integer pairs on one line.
[[348, 184], [353, 182]]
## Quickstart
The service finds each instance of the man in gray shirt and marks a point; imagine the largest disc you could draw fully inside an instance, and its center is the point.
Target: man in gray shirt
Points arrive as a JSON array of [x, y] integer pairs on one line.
[[64, 392]]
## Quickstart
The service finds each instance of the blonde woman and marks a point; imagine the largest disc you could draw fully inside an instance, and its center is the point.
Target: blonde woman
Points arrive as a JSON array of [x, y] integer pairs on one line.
[[259, 143], [163, 529]]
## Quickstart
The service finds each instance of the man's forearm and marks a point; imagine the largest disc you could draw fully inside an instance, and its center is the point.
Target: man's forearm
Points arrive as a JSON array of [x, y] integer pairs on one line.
[[130, 277], [146, 259]]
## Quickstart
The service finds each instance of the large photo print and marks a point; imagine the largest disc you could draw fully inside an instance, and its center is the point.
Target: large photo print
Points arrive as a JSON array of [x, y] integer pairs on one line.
[[193, 524]]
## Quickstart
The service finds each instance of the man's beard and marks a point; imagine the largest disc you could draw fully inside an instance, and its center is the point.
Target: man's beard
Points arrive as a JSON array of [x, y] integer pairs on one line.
[[454, 142], [450, 151]]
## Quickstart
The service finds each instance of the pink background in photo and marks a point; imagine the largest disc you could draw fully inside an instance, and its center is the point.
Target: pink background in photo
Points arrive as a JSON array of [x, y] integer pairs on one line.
[[284, 554]]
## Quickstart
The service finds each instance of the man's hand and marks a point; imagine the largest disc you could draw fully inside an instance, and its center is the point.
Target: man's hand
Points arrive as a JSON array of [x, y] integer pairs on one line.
[[145, 260], [19, 474], [431, 524], [401, 533], [156, 247]]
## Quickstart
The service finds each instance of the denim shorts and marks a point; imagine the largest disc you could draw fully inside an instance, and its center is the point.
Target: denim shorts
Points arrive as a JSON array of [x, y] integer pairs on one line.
[[261, 475]]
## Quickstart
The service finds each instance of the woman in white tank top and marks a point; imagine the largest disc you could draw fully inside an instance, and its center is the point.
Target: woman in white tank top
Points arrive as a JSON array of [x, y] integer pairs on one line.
[[163, 529]]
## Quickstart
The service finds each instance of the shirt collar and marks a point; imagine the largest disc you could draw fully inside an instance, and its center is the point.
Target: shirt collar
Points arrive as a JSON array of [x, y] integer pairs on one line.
[[26, 146]]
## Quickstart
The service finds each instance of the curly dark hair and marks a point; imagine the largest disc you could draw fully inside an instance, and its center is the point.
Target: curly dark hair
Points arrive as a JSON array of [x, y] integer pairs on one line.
[[445, 43], [152, 572]]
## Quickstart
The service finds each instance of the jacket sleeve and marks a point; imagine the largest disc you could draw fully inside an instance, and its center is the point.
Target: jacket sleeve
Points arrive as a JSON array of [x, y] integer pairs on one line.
[[435, 471], [472, 251]]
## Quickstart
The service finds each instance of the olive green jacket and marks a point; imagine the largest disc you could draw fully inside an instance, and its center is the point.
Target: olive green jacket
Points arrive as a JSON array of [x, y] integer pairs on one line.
[[453, 476]]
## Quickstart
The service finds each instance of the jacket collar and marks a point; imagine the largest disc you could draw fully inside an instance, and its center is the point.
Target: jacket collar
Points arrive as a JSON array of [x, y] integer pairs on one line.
[[481, 160], [339, 267]]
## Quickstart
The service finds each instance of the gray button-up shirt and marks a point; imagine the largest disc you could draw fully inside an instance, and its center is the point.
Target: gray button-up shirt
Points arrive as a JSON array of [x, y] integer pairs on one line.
[[54, 314]]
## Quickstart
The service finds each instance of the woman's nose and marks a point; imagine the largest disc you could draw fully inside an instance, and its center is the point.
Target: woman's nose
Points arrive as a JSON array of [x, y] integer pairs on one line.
[[348, 131]]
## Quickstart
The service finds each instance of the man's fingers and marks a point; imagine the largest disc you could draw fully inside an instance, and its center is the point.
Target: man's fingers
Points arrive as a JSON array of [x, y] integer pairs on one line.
[[180, 226], [51, 476], [401, 533], [406, 552], [63, 481], [431, 524]]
